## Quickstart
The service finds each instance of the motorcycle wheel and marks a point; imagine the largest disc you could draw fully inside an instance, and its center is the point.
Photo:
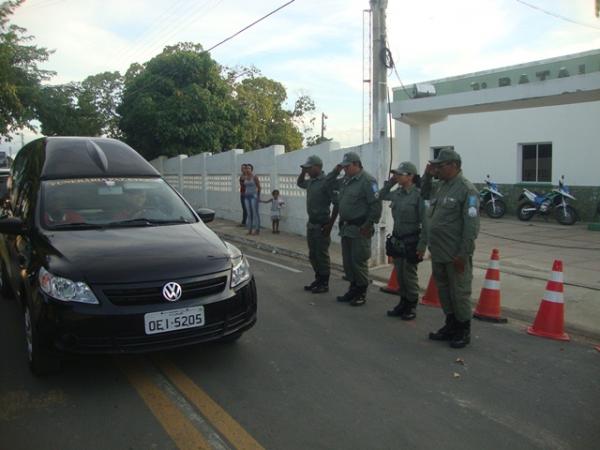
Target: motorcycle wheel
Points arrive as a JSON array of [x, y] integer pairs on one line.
[[566, 215], [525, 215], [495, 210]]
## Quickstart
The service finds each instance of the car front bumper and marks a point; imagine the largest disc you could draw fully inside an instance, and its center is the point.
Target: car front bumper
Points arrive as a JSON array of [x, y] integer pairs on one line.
[[89, 329]]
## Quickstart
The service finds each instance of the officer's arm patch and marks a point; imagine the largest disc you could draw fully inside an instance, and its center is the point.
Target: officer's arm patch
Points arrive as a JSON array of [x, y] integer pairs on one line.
[[374, 187], [472, 211]]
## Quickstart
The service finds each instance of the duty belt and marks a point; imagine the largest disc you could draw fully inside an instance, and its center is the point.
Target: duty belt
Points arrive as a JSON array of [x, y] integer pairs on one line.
[[356, 222]]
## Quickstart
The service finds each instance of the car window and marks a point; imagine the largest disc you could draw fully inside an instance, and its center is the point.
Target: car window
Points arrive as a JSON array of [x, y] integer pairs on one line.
[[111, 202]]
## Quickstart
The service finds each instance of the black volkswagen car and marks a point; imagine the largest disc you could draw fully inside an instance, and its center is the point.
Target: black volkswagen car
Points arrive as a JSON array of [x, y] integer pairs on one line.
[[106, 257]]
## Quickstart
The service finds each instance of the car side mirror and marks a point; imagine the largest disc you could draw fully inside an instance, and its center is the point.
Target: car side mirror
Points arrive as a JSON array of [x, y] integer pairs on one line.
[[12, 225], [206, 214]]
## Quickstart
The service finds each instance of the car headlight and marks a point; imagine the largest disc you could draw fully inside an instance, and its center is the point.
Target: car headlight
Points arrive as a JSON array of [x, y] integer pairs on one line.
[[240, 270], [66, 290]]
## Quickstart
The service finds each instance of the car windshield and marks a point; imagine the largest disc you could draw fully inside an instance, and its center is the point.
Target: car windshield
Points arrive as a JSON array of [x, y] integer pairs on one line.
[[113, 202]]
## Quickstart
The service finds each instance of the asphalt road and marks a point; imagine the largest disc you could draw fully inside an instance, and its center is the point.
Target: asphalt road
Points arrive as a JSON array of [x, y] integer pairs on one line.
[[312, 374]]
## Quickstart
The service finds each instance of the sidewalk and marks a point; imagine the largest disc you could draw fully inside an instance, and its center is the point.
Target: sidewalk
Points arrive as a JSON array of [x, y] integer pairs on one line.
[[527, 251]]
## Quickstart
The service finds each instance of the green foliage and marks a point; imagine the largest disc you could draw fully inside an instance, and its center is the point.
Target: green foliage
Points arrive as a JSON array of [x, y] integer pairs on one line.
[[81, 109], [264, 122], [66, 110], [178, 103], [19, 75]]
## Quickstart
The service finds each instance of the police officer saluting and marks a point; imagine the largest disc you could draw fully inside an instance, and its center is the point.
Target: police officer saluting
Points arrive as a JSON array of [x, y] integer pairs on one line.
[[319, 197], [409, 239], [453, 228], [359, 210]]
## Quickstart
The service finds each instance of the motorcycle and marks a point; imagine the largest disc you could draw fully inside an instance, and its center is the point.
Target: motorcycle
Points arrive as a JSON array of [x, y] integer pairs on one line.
[[490, 199], [553, 202]]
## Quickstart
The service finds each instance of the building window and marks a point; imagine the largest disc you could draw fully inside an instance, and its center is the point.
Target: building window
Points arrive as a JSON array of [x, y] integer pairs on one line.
[[537, 162], [436, 150]]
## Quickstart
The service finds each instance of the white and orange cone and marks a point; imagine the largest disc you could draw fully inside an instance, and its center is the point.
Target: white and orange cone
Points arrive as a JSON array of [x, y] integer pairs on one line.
[[432, 296], [549, 322], [393, 287], [488, 307]]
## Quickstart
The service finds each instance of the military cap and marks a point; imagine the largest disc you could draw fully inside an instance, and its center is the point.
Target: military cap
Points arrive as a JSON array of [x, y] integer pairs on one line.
[[312, 160], [405, 167], [350, 158], [446, 154]]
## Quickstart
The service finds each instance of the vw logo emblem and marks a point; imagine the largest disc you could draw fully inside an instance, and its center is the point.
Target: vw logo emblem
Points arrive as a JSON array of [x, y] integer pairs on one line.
[[172, 291]]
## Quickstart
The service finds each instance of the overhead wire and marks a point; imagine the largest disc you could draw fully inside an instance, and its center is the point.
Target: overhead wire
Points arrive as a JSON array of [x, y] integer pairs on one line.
[[557, 16], [251, 25]]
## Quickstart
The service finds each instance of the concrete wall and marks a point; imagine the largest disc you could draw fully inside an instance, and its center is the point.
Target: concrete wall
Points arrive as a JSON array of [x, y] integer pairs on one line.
[[211, 181]]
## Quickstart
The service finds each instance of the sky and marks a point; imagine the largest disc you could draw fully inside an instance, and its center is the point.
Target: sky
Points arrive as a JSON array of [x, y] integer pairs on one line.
[[312, 47]]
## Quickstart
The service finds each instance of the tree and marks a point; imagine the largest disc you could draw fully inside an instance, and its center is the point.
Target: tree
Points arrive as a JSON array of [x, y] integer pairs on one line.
[[103, 91], [20, 77], [67, 110], [88, 108], [178, 103], [264, 121]]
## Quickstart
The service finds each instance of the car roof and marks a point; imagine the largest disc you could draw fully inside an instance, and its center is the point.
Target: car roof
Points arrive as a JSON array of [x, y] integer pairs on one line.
[[85, 157]]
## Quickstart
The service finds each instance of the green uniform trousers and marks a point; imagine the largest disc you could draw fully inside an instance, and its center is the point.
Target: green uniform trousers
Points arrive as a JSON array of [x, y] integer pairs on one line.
[[318, 249], [454, 288], [355, 254], [406, 275]]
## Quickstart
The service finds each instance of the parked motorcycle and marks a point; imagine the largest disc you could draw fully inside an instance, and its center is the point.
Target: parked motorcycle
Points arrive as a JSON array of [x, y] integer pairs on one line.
[[553, 202], [490, 199]]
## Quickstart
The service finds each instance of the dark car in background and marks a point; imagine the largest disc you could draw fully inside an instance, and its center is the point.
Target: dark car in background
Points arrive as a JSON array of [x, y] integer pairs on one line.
[[106, 257]]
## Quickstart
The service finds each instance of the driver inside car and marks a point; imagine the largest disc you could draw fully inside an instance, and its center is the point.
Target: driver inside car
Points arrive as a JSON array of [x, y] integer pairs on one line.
[[58, 212]]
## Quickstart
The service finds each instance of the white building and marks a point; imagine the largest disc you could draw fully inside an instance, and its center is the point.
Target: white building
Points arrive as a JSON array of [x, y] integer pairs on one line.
[[525, 125]]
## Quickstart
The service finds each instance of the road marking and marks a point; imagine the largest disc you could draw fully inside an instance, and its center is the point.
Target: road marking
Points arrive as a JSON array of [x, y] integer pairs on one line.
[[217, 416], [281, 266], [177, 426]]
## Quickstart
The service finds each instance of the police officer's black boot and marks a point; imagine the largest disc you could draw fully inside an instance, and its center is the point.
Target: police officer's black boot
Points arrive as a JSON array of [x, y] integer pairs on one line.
[[399, 309], [360, 297], [322, 285], [309, 287], [462, 335], [349, 295], [446, 333], [410, 312]]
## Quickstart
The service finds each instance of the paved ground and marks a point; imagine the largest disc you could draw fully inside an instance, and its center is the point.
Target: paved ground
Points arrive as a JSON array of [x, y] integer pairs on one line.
[[527, 252]]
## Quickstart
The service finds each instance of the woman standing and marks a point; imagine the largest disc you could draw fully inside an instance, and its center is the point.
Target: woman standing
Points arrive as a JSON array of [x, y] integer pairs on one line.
[[409, 237], [251, 197]]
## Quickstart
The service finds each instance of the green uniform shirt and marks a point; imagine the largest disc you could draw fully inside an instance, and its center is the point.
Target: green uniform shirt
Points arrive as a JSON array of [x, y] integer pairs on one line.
[[319, 196], [453, 218], [408, 211], [358, 202]]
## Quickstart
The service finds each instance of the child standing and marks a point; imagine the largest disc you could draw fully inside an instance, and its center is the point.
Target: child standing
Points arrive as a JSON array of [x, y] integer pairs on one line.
[[276, 204]]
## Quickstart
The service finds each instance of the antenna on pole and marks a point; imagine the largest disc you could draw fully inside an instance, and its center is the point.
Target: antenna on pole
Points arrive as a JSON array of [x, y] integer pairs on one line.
[[367, 68]]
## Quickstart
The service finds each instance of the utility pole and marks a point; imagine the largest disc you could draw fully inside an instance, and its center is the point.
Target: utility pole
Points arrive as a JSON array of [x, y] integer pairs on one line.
[[380, 112], [323, 117]]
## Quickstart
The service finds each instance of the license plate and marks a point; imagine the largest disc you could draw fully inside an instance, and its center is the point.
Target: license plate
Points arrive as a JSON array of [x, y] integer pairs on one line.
[[174, 319]]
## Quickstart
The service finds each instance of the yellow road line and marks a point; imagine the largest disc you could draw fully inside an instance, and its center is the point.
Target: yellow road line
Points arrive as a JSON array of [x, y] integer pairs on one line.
[[177, 426], [223, 422]]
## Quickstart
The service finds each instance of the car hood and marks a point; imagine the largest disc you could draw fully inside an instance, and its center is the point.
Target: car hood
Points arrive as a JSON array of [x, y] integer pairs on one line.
[[137, 254]]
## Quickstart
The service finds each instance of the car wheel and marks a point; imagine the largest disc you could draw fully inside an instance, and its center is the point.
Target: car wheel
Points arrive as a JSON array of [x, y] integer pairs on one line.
[[495, 209], [522, 214], [566, 215], [41, 362], [5, 289]]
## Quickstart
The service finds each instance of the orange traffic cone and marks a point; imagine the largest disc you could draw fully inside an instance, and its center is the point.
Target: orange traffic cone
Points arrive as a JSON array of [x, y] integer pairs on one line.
[[392, 287], [431, 297], [488, 307], [549, 322]]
